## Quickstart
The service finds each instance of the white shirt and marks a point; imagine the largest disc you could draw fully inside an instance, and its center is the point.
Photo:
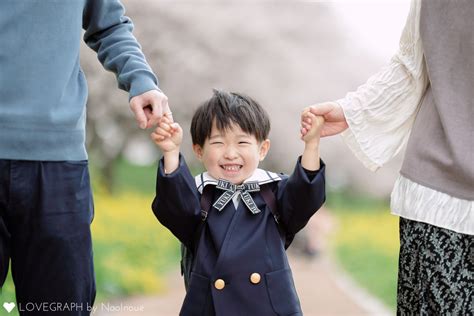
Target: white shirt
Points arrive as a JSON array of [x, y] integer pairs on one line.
[[389, 101]]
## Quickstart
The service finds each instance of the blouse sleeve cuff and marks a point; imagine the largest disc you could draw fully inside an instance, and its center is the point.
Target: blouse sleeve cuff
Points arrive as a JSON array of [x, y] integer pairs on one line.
[[349, 138]]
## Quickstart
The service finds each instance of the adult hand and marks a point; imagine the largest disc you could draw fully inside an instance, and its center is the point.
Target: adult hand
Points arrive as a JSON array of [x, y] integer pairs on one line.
[[149, 107], [334, 119]]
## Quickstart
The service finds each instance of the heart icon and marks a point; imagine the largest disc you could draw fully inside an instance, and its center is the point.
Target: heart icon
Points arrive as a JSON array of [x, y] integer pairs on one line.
[[9, 306]]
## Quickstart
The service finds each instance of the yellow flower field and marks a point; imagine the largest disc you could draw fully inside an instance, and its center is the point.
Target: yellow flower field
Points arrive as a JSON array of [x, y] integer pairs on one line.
[[366, 245], [132, 250]]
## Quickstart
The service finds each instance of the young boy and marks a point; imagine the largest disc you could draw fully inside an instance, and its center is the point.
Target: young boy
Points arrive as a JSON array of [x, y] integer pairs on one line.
[[240, 265]]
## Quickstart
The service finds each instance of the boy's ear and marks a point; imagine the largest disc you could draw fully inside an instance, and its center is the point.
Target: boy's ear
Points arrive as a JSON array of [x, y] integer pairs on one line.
[[197, 151], [264, 148]]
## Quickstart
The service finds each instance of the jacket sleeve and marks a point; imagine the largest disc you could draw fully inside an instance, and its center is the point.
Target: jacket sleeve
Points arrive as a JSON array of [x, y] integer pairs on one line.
[[299, 198], [177, 202], [109, 33], [380, 114]]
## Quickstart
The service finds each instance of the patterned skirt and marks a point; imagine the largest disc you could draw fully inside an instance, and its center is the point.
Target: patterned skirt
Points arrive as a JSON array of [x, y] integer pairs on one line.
[[435, 272]]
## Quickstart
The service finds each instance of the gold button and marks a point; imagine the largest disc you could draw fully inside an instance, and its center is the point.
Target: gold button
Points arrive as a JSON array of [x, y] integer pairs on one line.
[[255, 278], [219, 284]]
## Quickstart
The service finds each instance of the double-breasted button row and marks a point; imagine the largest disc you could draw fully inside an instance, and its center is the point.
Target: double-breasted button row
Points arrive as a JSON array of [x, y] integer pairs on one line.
[[254, 278]]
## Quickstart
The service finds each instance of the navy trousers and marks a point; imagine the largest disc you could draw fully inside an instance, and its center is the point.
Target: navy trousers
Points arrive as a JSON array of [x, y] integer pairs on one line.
[[46, 210]]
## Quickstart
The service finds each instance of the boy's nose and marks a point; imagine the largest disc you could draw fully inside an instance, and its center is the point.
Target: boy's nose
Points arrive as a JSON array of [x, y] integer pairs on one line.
[[231, 153]]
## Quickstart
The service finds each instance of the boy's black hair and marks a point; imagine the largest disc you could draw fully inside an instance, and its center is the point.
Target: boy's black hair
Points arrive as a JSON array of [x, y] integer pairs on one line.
[[227, 108]]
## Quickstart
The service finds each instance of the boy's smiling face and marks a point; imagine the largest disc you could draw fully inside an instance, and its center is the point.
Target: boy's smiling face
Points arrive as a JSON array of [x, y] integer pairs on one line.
[[231, 154]]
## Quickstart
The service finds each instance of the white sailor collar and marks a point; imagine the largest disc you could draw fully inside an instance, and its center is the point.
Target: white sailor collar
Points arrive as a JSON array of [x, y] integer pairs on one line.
[[259, 175]]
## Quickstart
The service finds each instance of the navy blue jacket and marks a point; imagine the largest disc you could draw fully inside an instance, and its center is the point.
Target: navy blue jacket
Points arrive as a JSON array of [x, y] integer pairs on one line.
[[234, 243]]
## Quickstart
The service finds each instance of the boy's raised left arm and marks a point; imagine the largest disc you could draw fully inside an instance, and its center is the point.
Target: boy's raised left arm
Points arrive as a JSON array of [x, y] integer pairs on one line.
[[303, 193], [313, 125]]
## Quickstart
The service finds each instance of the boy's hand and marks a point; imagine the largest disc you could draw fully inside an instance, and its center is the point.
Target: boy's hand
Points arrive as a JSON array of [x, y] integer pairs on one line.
[[168, 136], [334, 118], [311, 126]]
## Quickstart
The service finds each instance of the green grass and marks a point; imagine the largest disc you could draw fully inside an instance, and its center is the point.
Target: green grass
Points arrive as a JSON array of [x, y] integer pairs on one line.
[[7, 294], [135, 178], [366, 244]]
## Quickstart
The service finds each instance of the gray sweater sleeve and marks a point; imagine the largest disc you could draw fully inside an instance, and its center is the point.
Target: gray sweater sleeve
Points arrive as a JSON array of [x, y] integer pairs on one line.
[[109, 32]]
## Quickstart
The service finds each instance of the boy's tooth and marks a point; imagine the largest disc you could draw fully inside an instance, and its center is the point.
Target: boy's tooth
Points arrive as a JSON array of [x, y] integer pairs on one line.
[[231, 168]]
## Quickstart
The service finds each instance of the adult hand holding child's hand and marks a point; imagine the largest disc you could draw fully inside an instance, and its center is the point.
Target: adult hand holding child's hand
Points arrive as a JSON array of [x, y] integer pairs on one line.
[[334, 119], [311, 126]]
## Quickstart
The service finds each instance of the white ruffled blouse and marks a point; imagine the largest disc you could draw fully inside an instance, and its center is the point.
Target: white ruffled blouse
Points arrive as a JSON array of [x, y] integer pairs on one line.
[[380, 115]]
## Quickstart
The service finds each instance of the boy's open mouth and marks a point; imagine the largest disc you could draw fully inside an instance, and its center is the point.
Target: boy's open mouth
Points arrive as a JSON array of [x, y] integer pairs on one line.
[[231, 167]]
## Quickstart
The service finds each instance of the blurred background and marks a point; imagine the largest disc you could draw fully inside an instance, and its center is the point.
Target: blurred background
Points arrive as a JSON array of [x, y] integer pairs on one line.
[[286, 54]]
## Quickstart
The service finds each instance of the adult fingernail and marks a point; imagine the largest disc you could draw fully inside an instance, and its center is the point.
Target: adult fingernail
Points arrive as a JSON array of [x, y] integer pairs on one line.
[[142, 125]]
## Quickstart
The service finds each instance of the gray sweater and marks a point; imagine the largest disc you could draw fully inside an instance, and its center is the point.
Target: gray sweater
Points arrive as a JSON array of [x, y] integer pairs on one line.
[[440, 151], [43, 91]]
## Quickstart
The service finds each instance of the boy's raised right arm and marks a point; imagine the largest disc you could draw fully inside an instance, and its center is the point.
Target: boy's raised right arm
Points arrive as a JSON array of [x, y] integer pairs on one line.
[[177, 201]]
